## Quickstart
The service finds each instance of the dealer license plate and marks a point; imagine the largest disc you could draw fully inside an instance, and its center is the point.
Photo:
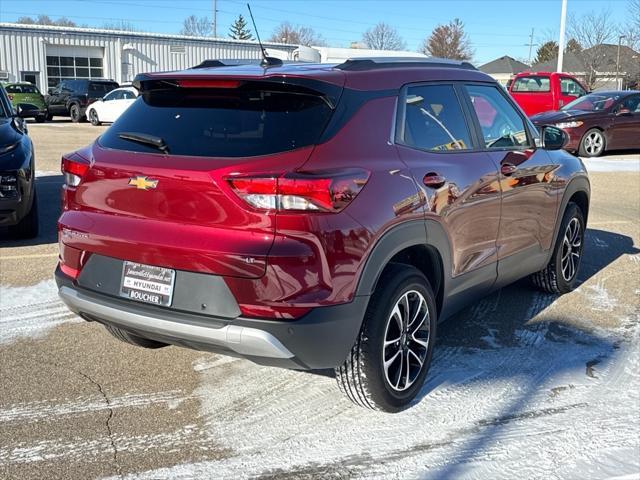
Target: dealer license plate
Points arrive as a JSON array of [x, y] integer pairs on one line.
[[147, 283]]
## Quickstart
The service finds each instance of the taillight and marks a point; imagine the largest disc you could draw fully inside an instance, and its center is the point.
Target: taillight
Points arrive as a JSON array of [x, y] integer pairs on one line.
[[74, 168], [323, 191], [208, 83]]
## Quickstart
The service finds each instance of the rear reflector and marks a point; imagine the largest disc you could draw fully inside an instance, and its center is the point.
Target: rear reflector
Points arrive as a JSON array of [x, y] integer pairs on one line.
[[325, 191], [73, 168], [68, 271], [208, 83]]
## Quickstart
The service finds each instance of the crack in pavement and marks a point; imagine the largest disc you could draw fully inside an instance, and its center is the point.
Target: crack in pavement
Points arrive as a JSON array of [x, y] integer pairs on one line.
[[118, 468]]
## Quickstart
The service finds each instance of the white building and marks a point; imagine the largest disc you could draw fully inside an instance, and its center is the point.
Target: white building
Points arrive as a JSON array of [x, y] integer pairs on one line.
[[44, 55]]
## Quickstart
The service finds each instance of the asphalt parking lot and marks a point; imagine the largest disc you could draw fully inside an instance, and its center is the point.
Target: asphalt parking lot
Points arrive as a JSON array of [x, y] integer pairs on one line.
[[523, 384]]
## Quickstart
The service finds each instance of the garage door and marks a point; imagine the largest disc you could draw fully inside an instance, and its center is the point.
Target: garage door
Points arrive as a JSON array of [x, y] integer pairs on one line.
[[68, 63]]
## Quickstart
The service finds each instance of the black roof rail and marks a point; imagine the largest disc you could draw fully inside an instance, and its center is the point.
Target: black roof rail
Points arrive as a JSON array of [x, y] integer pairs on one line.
[[209, 64], [373, 63]]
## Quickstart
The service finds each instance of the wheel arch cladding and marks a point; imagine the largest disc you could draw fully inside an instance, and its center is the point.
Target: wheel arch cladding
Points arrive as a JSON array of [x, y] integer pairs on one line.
[[578, 191], [421, 244]]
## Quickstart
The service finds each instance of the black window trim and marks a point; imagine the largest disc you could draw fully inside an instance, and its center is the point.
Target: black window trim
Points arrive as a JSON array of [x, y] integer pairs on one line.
[[401, 111], [531, 138]]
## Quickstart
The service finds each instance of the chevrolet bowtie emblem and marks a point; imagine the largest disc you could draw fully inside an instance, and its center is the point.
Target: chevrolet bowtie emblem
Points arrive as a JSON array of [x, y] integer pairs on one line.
[[143, 183]]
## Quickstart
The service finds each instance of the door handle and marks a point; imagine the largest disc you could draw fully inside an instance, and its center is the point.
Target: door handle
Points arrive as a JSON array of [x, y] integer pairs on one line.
[[433, 180], [508, 169]]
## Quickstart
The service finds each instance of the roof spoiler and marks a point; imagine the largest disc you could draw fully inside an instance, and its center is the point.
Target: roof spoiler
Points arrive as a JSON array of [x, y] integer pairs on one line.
[[374, 63], [263, 62]]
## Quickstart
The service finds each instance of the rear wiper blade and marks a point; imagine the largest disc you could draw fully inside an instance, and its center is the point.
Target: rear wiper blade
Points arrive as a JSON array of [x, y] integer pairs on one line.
[[145, 139]]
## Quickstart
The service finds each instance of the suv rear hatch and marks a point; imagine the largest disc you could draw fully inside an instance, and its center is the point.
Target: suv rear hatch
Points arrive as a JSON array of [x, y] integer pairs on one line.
[[156, 188]]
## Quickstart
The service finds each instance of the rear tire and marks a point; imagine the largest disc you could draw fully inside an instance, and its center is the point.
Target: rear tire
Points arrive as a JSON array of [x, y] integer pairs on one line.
[[93, 118], [49, 117], [399, 325], [74, 113], [28, 226], [560, 274], [593, 143], [132, 339]]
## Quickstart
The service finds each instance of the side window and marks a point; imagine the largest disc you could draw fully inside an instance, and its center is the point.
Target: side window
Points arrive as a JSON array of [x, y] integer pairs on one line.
[[532, 84], [127, 95], [501, 124], [630, 103], [434, 119], [111, 96], [568, 86]]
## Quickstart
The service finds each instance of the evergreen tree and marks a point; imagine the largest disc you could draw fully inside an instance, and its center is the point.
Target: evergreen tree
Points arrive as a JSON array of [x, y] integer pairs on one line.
[[239, 30]]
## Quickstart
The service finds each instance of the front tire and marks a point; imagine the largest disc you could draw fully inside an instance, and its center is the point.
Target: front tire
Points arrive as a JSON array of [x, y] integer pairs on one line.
[[560, 274], [132, 339], [593, 143], [386, 367], [28, 226], [41, 118]]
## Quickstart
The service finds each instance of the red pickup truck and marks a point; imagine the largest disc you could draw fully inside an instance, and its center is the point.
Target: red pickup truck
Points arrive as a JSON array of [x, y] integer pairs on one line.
[[537, 92]]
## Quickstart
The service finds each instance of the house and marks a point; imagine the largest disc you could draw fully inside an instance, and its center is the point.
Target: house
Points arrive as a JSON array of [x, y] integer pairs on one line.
[[596, 67], [503, 68]]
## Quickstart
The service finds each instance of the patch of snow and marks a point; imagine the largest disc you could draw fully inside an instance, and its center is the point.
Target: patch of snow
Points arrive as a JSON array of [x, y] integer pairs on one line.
[[604, 165], [599, 297], [560, 403], [31, 311]]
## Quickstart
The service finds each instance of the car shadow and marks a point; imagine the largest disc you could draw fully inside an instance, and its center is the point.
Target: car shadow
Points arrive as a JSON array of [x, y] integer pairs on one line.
[[500, 338], [49, 208]]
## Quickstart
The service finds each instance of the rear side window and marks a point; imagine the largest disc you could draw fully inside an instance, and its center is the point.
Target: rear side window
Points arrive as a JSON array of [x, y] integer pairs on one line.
[[220, 122], [101, 88], [434, 119], [21, 89], [531, 84], [501, 125]]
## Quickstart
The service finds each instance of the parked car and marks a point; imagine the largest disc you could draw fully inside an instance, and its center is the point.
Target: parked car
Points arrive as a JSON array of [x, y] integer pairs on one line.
[[70, 98], [18, 203], [537, 92], [598, 122], [315, 217], [27, 93], [111, 106]]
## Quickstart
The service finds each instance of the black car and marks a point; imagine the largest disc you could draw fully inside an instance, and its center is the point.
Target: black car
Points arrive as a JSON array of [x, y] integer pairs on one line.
[[18, 205], [70, 98]]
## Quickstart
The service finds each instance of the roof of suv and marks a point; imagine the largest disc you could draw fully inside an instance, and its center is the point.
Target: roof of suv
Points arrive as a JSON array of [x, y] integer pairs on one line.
[[360, 74]]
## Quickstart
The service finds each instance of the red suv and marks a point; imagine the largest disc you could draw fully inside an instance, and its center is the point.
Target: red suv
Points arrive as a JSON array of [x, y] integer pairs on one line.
[[316, 216]]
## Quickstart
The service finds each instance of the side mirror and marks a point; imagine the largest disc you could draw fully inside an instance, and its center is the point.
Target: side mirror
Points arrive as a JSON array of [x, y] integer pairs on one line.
[[26, 110], [553, 138]]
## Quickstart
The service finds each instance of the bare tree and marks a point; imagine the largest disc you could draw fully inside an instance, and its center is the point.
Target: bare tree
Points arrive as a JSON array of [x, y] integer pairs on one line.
[[449, 41], [592, 30], [297, 35], [46, 20], [383, 37], [122, 25], [631, 30], [196, 27]]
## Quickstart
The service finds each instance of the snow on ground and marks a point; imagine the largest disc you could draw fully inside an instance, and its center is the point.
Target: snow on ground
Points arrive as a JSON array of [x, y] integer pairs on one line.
[[549, 402], [612, 165], [31, 311]]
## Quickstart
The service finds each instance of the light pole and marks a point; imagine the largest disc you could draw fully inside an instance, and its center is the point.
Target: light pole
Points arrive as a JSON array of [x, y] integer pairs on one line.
[[618, 61], [563, 22]]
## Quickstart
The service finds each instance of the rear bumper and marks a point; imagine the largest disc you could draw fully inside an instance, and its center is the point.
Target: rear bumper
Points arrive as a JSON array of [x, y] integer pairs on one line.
[[321, 339]]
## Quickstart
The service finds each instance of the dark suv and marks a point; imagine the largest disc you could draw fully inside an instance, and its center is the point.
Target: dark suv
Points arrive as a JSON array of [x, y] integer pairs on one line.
[[316, 216], [70, 98], [18, 202]]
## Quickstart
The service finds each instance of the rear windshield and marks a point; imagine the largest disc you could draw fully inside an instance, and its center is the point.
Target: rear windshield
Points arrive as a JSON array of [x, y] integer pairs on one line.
[[531, 84], [22, 89], [240, 122], [102, 88]]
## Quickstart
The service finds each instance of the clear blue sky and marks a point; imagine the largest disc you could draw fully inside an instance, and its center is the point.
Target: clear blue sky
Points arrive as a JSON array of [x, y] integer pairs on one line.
[[495, 27]]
